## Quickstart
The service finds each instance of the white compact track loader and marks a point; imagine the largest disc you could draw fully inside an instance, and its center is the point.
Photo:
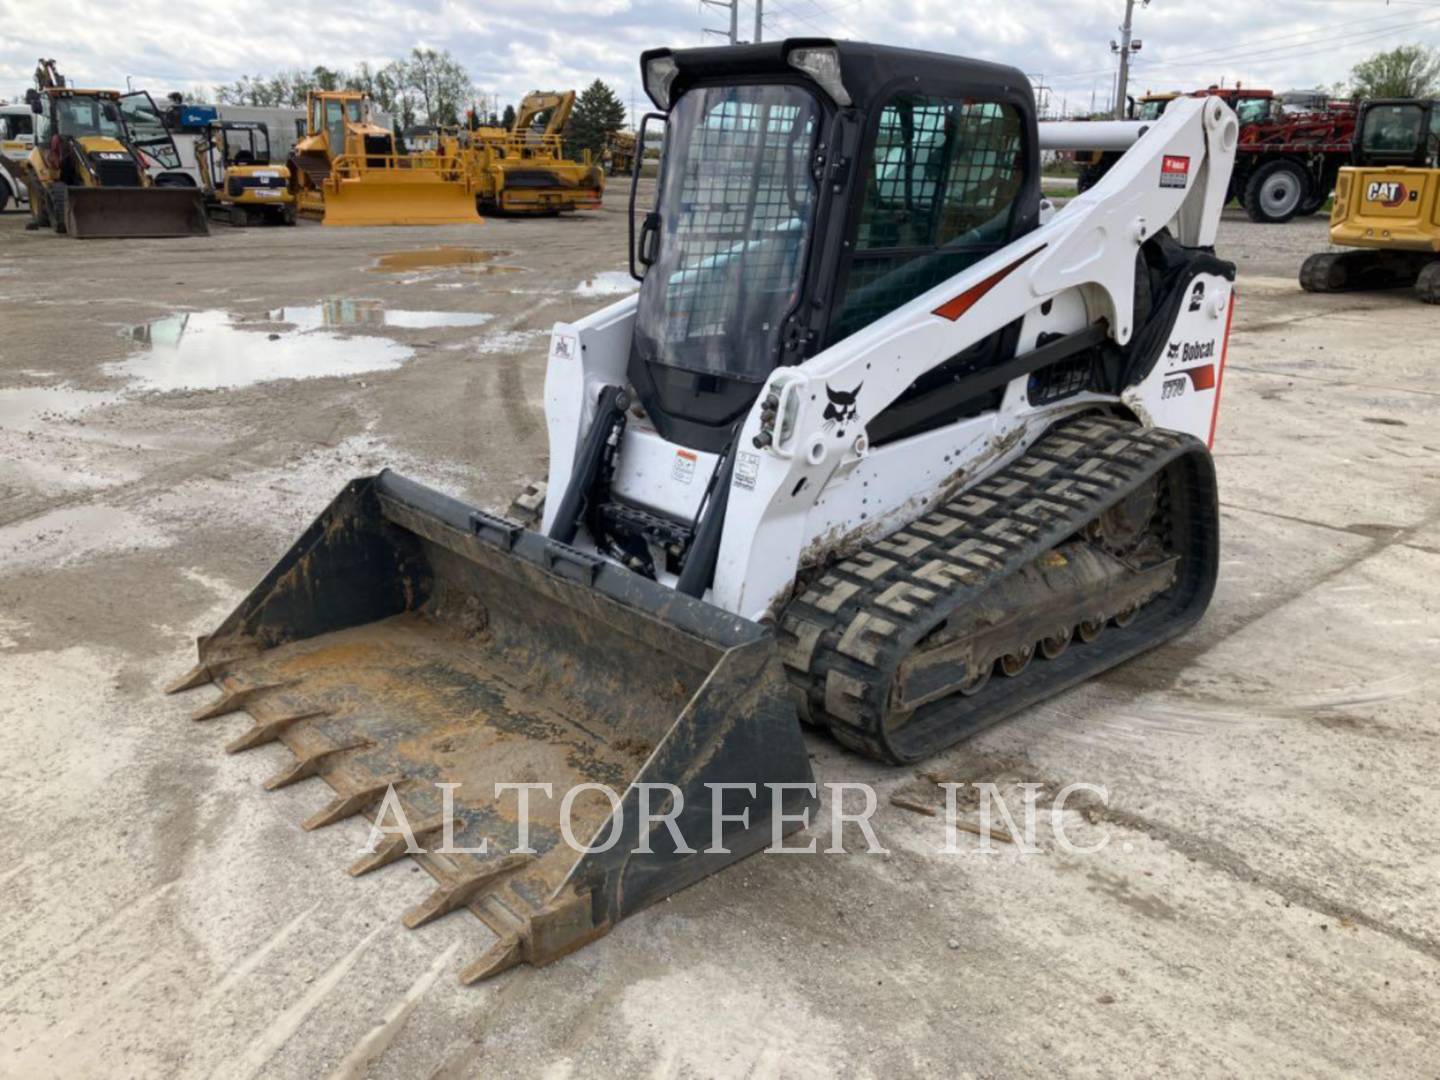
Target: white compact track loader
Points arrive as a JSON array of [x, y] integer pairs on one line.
[[874, 448]]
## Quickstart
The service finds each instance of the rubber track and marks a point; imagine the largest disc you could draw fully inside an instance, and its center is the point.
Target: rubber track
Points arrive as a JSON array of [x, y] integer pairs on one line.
[[843, 639]]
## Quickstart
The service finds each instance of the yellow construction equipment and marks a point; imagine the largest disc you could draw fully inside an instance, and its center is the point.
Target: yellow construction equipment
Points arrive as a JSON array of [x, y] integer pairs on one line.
[[1387, 205], [242, 185], [525, 170], [86, 173], [620, 153], [347, 168]]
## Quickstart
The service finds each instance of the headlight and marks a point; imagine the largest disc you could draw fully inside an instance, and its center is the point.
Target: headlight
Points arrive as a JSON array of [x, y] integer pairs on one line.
[[660, 72], [822, 65]]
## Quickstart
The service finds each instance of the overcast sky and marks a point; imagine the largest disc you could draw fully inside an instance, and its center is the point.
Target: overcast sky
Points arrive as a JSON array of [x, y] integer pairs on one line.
[[512, 46]]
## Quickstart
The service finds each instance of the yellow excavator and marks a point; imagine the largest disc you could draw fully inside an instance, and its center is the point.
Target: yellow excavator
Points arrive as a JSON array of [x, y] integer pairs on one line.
[[525, 171], [348, 171], [242, 185], [87, 173], [1387, 205]]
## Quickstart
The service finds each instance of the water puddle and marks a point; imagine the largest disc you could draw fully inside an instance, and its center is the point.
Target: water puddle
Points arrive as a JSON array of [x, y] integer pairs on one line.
[[208, 350], [443, 258], [343, 314], [30, 408], [608, 283]]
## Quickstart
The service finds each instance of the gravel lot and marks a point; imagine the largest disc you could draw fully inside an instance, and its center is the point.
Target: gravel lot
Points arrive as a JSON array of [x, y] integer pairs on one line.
[[1264, 903]]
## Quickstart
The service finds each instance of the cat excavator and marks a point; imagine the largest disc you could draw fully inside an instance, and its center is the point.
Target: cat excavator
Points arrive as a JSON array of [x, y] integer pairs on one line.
[[883, 447], [1387, 205], [242, 185], [525, 171]]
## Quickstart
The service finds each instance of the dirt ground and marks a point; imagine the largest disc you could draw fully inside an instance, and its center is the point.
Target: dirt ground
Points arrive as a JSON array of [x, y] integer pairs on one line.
[[1264, 904]]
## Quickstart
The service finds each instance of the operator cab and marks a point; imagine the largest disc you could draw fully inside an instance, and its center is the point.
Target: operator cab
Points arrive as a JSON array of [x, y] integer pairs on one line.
[[240, 142], [1404, 132], [807, 188]]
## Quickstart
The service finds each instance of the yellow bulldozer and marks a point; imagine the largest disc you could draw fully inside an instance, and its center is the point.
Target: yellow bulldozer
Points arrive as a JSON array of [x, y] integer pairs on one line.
[[525, 171], [242, 185], [348, 171], [1387, 205], [87, 173]]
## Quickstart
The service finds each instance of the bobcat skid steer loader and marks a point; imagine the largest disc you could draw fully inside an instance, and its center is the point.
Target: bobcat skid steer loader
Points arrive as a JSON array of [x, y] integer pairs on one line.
[[874, 449]]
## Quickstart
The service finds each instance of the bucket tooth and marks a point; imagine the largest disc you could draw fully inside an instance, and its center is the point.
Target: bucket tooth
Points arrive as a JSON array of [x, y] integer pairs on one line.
[[198, 676], [393, 847], [458, 891], [267, 731], [237, 699], [503, 955], [347, 805], [309, 765]]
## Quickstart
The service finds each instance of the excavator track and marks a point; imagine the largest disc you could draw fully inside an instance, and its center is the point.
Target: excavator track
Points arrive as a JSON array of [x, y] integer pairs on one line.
[[1098, 543]]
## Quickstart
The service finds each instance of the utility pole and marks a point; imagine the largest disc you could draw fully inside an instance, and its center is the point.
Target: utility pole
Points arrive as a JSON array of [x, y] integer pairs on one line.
[[1125, 48], [733, 6], [759, 19]]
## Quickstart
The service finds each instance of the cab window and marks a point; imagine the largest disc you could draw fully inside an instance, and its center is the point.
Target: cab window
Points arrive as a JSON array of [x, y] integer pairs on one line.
[[940, 194], [15, 125], [81, 116], [1392, 130]]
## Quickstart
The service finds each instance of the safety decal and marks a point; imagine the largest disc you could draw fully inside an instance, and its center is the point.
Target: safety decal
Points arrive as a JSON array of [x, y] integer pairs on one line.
[[1174, 171]]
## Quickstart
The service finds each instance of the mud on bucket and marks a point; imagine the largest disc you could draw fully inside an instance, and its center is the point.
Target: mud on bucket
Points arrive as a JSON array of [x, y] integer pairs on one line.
[[408, 641]]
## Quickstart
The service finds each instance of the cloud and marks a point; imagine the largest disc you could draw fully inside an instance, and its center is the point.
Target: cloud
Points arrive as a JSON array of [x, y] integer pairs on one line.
[[513, 46]]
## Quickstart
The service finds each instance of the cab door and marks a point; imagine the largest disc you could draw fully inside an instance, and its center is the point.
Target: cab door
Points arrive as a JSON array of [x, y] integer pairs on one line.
[[148, 133]]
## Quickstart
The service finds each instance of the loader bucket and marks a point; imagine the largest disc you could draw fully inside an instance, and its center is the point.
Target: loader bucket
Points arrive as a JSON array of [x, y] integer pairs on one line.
[[377, 199], [408, 641], [93, 213]]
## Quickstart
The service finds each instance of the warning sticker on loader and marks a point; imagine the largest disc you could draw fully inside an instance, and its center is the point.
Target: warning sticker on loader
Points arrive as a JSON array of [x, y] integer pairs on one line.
[[1174, 171], [683, 471], [747, 470], [564, 347]]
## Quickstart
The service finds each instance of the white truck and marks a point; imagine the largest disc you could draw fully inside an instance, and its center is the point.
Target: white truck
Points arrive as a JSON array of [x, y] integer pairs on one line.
[[17, 136]]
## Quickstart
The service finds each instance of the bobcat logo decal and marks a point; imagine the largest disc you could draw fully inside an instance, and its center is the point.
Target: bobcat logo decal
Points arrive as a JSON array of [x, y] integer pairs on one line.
[[841, 407]]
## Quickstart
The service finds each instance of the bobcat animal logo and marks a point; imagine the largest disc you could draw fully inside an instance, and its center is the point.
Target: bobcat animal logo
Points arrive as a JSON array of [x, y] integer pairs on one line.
[[1197, 296], [841, 407], [1172, 351]]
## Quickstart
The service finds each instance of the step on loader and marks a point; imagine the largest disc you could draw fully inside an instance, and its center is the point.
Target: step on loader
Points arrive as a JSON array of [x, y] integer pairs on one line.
[[1387, 206], [879, 447]]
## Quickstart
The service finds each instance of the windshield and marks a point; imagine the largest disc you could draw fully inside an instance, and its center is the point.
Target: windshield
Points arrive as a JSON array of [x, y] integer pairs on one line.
[[736, 207], [247, 146], [1252, 110], [1151, 110], [81, 116], [14, 125], [1393, 130]]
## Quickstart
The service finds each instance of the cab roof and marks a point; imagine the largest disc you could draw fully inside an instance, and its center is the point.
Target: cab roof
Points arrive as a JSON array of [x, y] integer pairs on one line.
[[867, 71]]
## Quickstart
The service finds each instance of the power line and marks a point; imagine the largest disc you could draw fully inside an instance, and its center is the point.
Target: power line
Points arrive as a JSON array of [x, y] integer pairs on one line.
[[1272, 43]]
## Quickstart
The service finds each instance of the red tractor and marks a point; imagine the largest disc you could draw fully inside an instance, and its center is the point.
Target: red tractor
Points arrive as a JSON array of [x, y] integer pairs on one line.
[[1288, 156]]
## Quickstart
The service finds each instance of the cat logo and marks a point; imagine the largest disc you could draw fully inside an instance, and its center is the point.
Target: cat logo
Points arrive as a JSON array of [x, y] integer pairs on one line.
[[1388, 192], [1172, 351]]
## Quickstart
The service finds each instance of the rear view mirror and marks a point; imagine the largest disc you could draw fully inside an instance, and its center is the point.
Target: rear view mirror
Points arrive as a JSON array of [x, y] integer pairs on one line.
[[643, 254], [32, 98]]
